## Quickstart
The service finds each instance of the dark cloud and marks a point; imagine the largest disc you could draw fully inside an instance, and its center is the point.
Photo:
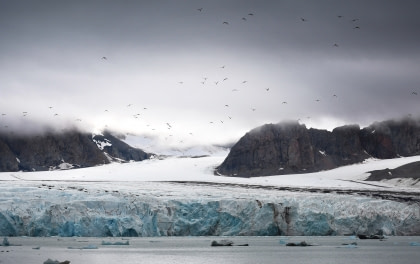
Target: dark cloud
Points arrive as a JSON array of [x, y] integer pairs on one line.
[[323, 62]]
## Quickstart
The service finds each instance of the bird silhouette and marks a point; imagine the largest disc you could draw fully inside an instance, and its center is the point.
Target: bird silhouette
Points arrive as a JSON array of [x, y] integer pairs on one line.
[[303, 19], [415, 93], [104, 58], [200, 9], [225, 23], [335, 45]]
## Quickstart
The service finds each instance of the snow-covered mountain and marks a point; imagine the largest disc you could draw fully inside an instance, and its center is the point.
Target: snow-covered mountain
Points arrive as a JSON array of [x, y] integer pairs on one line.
[[182, 196]]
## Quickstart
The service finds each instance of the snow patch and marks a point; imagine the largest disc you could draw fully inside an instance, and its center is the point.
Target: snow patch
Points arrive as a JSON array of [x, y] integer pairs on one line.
[[101, 144]]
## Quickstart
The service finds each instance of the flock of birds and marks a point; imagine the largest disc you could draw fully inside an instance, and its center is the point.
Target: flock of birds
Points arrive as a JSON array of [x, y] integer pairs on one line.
[[204, 81]]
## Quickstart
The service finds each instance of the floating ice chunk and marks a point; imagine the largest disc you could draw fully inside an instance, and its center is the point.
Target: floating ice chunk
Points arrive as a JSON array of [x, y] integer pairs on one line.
[[118, 243], [50, 261]]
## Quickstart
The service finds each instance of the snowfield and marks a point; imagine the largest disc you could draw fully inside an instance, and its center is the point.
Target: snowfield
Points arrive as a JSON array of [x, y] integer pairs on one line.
[[182, 197]]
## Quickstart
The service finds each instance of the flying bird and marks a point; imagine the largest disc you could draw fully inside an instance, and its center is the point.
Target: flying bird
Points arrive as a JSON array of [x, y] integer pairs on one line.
[[356, 27], [244, 18], [335, 45], [250, 14], [200, 9], [415, 93], [104, 58], [303, 19], [225, 23], [267, 89]]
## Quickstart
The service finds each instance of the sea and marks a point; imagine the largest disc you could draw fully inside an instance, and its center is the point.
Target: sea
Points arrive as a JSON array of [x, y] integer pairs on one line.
[[185, 250]]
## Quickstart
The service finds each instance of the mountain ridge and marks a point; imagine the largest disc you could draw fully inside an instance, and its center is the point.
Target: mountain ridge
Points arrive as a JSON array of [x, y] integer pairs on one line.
[[289, 147], [66, 150]]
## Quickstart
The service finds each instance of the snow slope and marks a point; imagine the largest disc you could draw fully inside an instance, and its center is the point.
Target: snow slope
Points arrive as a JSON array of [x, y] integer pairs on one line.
[[182, 196]]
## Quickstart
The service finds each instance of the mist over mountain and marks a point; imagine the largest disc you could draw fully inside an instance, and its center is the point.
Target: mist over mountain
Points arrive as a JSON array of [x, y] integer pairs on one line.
[[290, 147]]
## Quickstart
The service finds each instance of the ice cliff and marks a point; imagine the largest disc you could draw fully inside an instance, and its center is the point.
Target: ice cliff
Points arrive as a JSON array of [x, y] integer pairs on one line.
[[168, 209]]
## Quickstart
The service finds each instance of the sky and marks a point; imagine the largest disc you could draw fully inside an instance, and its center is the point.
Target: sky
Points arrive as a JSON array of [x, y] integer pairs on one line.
[[205, 72]]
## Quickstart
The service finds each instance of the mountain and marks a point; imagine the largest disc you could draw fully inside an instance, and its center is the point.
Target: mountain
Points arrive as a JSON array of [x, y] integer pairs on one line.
[[70, 149], [289, 147]]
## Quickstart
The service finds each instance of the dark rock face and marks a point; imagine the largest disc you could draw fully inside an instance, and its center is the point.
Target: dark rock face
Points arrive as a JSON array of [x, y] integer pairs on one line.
[[50, 150], [270, 149], [391, 138], [47, 151], [289, 147]]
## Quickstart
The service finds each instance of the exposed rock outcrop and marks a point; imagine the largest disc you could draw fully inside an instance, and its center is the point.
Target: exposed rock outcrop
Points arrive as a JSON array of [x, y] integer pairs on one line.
[[290, 147], [118, 149]]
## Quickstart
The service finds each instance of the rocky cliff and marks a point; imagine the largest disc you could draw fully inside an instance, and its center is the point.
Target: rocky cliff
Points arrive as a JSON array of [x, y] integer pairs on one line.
[[71, 149], [290, 147]]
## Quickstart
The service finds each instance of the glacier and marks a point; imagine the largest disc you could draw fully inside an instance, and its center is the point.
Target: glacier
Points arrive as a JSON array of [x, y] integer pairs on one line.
[[183, 197], [189, 209]]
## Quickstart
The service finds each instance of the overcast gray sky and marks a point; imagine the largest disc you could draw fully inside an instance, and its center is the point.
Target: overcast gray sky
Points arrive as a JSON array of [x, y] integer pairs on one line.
[[176, 70]]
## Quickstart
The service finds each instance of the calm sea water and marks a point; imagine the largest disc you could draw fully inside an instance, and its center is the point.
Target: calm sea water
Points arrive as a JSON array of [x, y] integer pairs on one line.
[[185, 250]]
